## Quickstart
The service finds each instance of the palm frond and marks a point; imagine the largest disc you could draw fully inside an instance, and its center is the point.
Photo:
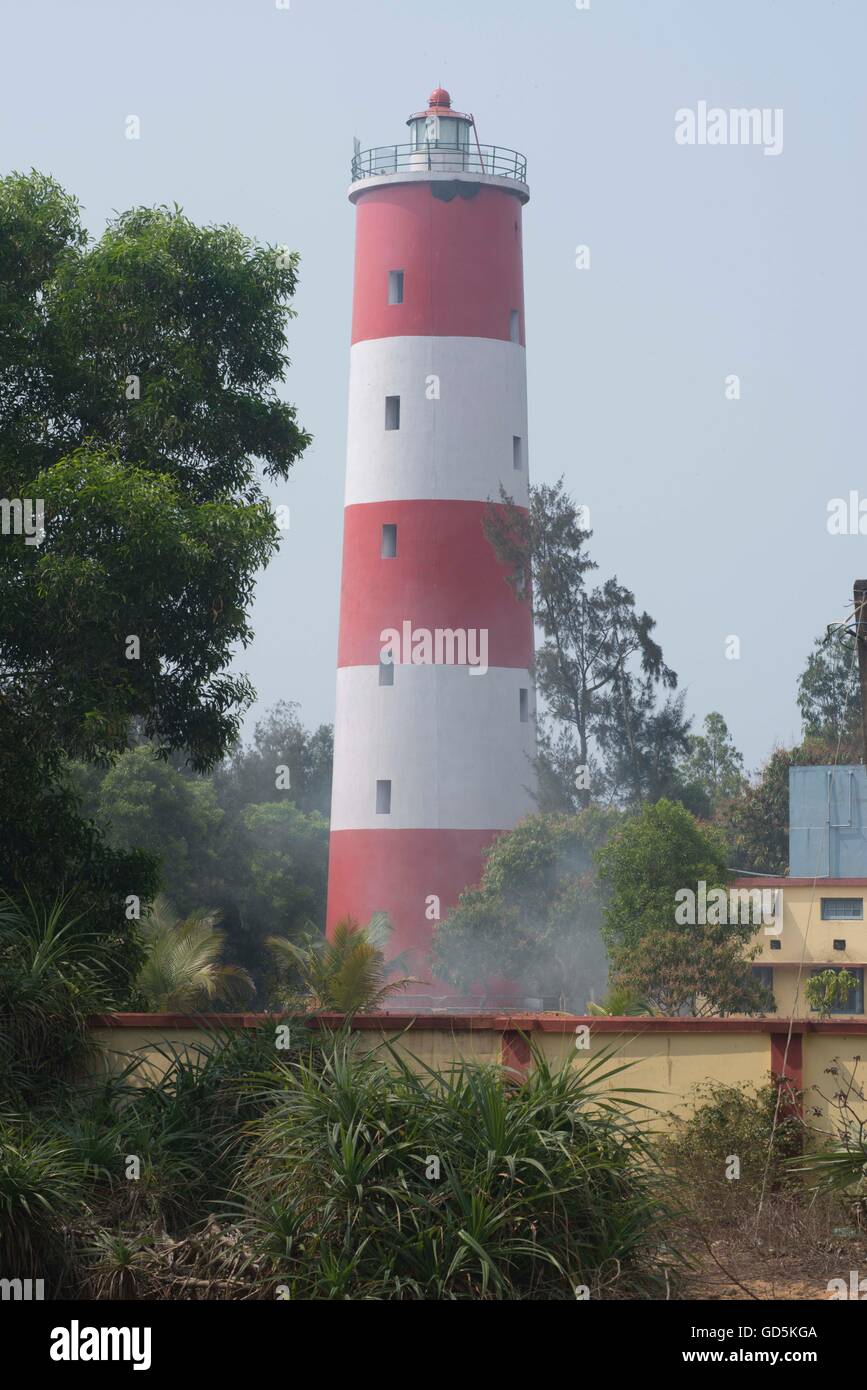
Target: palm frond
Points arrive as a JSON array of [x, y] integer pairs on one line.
[[346, 972], [182, 969]]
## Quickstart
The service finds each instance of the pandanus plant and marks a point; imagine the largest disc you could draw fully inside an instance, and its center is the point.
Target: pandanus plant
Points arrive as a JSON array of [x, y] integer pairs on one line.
[[53, 975]]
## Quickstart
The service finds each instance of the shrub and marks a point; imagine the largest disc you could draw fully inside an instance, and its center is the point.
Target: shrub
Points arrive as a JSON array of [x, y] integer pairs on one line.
[[182, 968], [838, 1164], [41, 1189], [52, 977], [733, 1121], [188, 1126], [368, 1179]]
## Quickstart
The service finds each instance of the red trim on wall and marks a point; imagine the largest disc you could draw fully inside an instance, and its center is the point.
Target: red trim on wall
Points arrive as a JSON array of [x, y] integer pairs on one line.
[[838, 963], [395, 1022], [203, 1021], [799, 882], [461, 259], [445, 575]]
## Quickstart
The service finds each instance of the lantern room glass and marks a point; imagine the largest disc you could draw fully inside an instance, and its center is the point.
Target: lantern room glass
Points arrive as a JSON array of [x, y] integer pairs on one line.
[[441, 132]]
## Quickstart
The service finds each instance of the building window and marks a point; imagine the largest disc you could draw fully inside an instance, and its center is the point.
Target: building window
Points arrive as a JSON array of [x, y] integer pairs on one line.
[[514, 326], [395, 287], [388, 545], [524, 704], [839, 943], [776, 945], [842, 909], [383, 798], [764, 975], [516, 451], [855, 998], [392, 412], [386, 672]]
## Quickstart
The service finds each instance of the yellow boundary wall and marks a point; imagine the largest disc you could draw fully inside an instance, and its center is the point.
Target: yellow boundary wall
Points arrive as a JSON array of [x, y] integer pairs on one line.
[[669, 1057]]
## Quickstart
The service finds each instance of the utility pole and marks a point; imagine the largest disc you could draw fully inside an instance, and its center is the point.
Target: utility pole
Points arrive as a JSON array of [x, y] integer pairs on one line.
[[860, 592]]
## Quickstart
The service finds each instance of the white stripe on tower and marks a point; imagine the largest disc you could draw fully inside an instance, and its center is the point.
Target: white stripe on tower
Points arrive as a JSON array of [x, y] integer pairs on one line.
[[460, 445], [474, 764]]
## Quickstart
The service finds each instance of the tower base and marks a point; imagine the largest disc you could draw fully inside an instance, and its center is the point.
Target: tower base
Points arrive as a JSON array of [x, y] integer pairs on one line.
[[418, 866]]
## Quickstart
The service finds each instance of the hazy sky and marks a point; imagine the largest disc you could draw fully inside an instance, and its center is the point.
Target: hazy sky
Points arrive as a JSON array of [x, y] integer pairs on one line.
[[705, 261]]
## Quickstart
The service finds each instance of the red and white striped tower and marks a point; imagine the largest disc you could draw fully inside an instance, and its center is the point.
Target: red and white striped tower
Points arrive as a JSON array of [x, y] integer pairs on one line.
[[431, 760]]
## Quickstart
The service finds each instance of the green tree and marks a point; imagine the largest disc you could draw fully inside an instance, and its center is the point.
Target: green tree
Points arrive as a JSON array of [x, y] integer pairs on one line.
[[598, 660], [560, 775], [713, 764], [280, 882], [644, 743], [535, 918], [138, 383], [693, 968], [829, 696], [756, 824], [145, 803], [829, 990], [281, 743], [262, 867]]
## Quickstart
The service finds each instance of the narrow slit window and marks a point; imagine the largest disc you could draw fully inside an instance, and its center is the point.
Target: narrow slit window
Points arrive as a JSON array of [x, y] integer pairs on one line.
[[516, 451], [524, 704], [392, 412], [514, 326], [383, 798], [386, 671], [395, 287], [388, 544]]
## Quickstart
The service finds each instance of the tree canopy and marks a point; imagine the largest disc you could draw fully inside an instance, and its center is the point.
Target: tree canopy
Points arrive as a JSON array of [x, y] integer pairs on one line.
[[138, 412], [233, 842], [534, 920], [599, 668], [829, 696], [695, 967], [712, 764]]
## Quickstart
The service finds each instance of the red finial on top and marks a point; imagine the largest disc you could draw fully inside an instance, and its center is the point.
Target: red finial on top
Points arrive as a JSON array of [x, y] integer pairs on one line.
[[439, 97]]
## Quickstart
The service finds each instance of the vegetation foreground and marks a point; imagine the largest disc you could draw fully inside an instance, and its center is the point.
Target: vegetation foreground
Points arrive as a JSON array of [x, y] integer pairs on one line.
[[294, 1164], [319, 1171]]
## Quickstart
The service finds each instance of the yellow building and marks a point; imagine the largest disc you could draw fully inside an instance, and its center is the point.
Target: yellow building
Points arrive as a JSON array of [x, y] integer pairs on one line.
[[819, 925]]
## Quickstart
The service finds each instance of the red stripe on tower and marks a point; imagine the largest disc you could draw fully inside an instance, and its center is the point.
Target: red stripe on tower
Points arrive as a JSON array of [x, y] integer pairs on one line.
[[444, 575], [435, 723], [470, 283]]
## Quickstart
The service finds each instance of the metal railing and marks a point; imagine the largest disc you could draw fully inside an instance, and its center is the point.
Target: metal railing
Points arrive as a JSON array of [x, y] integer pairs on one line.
[[481, 159]]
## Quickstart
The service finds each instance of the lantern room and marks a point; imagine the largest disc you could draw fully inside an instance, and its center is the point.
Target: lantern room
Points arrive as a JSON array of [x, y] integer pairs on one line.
[[440, 127]]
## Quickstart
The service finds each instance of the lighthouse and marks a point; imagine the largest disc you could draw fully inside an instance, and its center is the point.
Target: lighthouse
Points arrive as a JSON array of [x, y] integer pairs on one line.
[[434, 734]]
